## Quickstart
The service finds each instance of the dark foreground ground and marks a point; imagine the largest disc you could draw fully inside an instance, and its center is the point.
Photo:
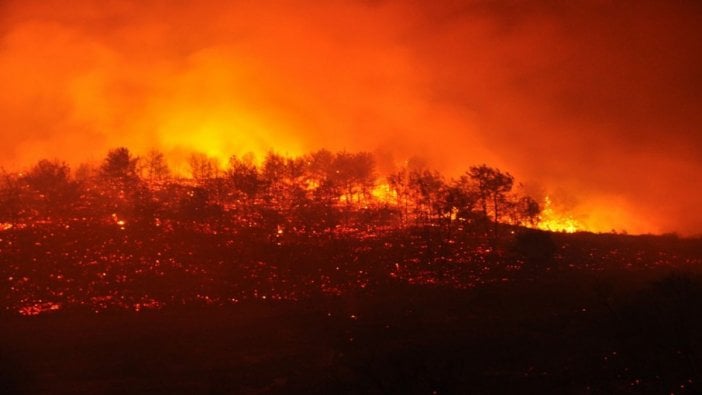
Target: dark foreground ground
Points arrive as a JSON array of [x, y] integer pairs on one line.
[[91, 310], [563, 333]]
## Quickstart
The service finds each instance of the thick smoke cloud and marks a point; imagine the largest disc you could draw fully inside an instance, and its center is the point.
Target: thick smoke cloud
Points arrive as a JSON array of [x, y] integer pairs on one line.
[[596, 103]]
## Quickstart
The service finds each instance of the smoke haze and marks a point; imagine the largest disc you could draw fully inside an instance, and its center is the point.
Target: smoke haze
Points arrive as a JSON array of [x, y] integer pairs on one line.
[[595, 103]]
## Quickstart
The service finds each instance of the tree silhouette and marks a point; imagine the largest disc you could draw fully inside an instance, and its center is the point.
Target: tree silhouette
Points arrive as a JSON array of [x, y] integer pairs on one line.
[[11, 201], [426, 186], [243, 176], [154, 168], [399, 182], [320, 166], [120, 165], [312, 193], [527, 211], [492, 187], [118, 187], [321, 177], [273, 175], [52, 190], [355, 174], [456, 203], [203, 168]]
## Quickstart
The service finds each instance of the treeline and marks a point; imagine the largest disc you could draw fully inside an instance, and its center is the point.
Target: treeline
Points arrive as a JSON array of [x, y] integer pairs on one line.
[[318, 192]]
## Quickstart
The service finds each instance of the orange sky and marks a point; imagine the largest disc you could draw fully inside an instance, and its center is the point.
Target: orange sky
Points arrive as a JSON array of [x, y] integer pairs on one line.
[[595, 102]]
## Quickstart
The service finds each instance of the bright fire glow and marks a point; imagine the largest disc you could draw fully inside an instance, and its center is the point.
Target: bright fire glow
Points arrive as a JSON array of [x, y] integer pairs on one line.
[[557, 222], [384, 193]]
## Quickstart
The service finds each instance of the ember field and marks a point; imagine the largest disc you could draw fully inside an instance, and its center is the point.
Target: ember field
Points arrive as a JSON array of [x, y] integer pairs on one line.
[[94, 309]]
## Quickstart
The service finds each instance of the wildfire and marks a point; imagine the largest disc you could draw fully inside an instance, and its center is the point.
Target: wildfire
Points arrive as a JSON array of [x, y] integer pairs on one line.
[[384, 193], [557, 222]]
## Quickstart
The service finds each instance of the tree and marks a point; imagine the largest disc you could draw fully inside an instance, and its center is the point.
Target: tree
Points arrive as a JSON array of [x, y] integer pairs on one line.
[[243, 176], [285, 187], [11, 202], [52, 190], [203, 168], [526, 211], [206, 172], [320, 166], [155, 170], [119, 165], [492, 187], [355, 174], [456, 202], [273, 177], [321, 177], [399, 182], [426, 186], [245, 185], [119, 187], [364, 172], [86, 172]]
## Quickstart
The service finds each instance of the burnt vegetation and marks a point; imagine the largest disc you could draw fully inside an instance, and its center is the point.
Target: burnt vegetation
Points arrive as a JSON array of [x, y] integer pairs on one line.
[[315, 274]]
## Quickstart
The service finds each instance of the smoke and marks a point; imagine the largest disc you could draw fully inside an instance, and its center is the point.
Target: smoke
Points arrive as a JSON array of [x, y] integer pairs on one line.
[[596, 104]]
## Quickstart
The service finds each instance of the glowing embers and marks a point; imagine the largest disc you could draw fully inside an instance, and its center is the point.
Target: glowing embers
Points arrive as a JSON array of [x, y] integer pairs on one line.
[[119, 222], [148, 304], [5, 226], [557, 222], [38, 308]]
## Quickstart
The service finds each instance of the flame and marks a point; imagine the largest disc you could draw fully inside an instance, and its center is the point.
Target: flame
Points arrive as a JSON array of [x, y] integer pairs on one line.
[[218, 136], [384, 193], [554, 221]]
